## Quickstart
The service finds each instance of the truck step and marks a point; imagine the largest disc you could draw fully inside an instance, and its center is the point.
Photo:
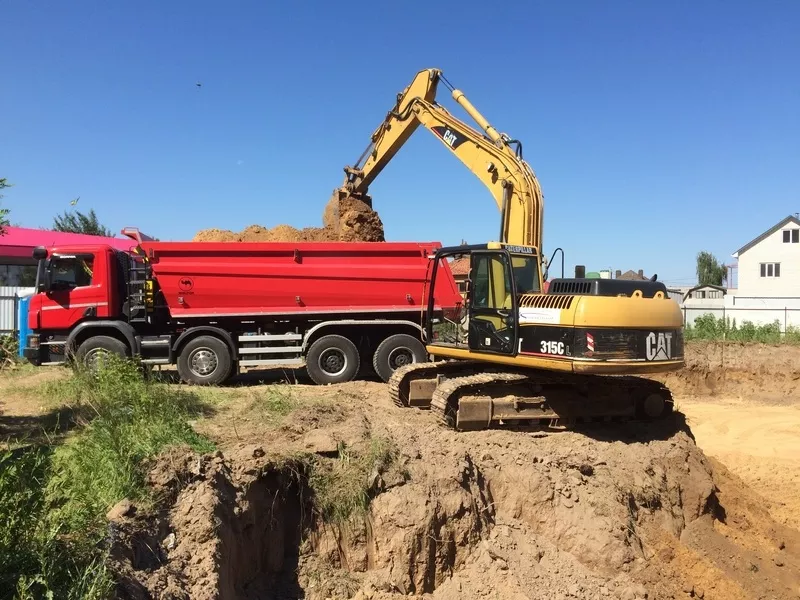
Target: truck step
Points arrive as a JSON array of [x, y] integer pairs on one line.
[[272, 350], [276, 361], [156, 361], [155, 342], [267, 337]]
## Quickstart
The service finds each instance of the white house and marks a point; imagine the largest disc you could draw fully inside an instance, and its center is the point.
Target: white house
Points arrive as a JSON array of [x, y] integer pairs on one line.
[[769, 265]]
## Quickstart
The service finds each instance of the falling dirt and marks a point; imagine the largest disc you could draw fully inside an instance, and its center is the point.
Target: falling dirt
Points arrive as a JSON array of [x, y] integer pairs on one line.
[[357, 223]]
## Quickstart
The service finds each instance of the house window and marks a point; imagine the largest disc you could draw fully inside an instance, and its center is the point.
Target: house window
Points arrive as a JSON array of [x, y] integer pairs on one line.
[[791, 236], [770, 269]]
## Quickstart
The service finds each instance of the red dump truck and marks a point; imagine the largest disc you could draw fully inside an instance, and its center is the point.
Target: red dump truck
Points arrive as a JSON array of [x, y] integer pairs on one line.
[[213, 308]]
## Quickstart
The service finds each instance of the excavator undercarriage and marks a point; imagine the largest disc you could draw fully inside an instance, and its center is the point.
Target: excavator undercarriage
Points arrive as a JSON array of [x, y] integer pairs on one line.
[[471, 395]]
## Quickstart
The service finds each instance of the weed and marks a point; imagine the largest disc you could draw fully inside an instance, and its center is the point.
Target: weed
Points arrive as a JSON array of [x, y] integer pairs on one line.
[[343, 487], [272, 403], [53, 500], [708, 327], [9, 351]]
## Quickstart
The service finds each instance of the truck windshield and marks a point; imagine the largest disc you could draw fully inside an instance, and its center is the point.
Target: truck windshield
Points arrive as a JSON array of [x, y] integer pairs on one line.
[[526, 273], [68, 272]]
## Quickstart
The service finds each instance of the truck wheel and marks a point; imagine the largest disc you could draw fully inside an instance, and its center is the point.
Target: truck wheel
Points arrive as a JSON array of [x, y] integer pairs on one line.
[[332, 359], [205, 360], [395, 351], [92, 351]]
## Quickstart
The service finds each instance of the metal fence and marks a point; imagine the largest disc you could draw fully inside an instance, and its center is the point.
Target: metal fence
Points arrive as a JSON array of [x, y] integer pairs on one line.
[[8, 310], [785, 316], [9, 305]]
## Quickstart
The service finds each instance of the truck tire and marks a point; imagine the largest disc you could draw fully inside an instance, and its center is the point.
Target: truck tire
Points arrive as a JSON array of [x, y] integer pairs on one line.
[[395, 351], [332, 359], [205, 360], [92, 350]]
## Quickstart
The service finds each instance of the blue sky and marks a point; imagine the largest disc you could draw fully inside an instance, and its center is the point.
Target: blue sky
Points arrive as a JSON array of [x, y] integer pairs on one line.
[[656, 129]]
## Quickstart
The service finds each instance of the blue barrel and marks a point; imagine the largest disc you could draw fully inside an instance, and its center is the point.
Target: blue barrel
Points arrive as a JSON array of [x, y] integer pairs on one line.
[[22, 322]]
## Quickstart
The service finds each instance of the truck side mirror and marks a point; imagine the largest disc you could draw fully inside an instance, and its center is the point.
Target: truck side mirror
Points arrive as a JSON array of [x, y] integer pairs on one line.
[[46, 282]]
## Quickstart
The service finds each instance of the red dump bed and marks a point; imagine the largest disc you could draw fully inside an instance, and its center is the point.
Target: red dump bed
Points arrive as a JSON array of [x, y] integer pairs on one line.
[[239, 279]]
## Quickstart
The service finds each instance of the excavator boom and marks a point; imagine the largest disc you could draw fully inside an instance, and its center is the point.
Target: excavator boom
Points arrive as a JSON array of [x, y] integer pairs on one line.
[[490, 155]]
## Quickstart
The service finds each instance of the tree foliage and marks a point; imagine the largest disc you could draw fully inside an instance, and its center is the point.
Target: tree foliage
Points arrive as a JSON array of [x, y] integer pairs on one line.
[[78, 222], [3, 211], [709, 270]]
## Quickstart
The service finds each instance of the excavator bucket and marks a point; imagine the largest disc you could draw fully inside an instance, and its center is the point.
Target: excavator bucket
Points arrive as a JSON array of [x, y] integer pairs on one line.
[[351, 218]]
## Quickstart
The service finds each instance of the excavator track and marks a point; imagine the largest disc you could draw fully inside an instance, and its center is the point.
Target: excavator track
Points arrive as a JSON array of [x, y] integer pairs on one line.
[[467, 396], [401, 380]]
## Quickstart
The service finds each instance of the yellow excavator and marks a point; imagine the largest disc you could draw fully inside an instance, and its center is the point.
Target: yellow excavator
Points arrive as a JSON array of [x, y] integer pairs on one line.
[[514, 355]]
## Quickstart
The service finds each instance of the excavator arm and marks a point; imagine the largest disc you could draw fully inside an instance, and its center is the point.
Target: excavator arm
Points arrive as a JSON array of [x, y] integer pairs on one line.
[[492, 156]]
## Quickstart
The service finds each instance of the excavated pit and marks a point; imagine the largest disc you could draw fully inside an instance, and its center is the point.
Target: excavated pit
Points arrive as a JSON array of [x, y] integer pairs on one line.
[[220, 538]]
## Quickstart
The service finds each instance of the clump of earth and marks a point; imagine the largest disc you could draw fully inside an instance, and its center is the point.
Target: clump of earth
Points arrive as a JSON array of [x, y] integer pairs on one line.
[[357, 222]]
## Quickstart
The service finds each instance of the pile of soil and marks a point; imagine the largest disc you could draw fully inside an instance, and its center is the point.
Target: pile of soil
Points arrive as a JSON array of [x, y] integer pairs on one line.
[[736, 369], [615, 511], [357, 223]]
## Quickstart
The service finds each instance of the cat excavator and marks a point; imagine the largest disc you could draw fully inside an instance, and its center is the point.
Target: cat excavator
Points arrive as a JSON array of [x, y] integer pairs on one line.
[[513, 355]]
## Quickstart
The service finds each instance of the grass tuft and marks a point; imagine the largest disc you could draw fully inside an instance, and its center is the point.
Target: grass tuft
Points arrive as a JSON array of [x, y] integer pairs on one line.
[[53, 499], [343, 487]]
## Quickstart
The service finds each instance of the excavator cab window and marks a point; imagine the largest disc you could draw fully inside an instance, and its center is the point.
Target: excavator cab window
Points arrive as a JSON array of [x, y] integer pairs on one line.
[[492, 304], [526, 273]]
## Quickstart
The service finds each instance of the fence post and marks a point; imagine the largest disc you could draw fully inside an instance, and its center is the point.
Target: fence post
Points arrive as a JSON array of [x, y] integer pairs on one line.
[[15, 302]]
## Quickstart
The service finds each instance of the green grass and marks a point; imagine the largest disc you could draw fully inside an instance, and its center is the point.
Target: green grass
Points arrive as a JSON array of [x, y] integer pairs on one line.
[[53, 499], [343, 487], [272, 404], [708, 327]]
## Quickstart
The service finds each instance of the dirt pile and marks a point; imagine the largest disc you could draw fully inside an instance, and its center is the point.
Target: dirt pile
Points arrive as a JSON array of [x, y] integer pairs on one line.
[[357, 223], [613, 512], [737, 369]]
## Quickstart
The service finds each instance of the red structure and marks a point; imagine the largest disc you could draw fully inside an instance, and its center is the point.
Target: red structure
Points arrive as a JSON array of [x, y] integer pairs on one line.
[[19, 242], [211, 308], [17, 267]]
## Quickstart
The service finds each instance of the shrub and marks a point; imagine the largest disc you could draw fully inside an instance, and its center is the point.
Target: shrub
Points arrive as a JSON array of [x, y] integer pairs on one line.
[[53, 499]]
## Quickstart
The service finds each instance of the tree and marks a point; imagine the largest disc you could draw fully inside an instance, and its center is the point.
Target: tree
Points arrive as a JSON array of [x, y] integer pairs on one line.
[[77, 222], [3, 211], [709, 270]]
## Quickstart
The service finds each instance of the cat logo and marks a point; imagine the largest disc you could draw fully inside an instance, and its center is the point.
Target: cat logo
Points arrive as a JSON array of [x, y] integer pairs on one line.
[[449, 138], [185, 284], [659, 346]]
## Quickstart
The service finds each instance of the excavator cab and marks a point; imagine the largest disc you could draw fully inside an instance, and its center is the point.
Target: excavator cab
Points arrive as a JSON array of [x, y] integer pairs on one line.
[[489, 320]]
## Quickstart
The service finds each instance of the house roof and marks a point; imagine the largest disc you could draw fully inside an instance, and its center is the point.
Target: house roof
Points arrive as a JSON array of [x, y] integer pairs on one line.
[[766, 234], [460, 266], [19, 242], [719, 288]]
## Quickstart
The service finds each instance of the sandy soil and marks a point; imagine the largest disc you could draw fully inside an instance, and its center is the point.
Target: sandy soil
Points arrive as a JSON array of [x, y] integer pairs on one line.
[[620, 512], [757, 441]]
